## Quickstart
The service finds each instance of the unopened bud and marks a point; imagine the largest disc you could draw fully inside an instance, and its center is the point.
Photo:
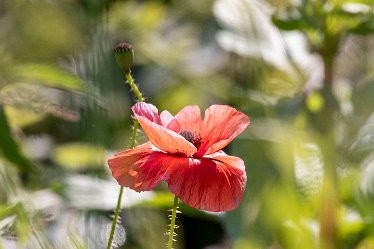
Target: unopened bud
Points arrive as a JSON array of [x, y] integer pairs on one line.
[[124, 56]]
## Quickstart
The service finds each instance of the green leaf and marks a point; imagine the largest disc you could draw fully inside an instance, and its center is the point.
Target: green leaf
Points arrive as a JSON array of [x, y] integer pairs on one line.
[[291, 24], [9, 147], [340, 20], [364, 28], [6, 210], [48, 75]]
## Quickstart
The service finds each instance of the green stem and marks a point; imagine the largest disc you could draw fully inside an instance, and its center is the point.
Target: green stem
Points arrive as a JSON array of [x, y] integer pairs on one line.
[[114, 222], [329, 200], [134, 132], [132, 145], [172, 223], [133, 86]]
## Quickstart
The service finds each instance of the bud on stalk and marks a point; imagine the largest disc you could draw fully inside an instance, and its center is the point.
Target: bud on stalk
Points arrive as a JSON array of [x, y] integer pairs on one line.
[[124, 55]]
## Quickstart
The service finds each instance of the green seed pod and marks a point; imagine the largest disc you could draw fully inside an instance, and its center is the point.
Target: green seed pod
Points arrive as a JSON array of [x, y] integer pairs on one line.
[[124, 55]]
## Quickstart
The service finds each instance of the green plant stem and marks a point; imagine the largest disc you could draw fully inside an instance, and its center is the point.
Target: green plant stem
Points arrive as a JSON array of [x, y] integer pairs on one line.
[[133, 86], [134, 132], [114, 222], [132, 145], [172, 223], [329, 199]]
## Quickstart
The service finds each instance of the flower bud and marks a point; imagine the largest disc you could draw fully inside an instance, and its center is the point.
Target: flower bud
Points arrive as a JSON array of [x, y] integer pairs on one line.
[[124, 56]]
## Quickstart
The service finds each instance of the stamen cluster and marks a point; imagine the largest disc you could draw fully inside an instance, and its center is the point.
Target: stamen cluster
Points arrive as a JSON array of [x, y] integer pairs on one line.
[[192, 137]]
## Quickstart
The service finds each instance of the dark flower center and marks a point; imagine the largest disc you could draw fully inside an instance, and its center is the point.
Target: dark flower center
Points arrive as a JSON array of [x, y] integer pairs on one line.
[[192, 137]]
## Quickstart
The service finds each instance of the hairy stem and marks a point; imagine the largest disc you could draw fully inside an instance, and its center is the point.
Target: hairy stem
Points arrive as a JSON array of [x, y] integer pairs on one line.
[[172, 223], [132, 145], [114, 222], [133, 86]]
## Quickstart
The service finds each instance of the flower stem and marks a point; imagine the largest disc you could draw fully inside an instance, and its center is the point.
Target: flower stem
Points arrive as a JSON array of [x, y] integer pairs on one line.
[[114, 222], [133, 86], [134, 132], [132, 145], [172, 223]]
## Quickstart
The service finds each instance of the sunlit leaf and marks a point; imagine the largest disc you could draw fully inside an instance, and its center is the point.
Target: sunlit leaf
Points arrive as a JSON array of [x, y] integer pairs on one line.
[[351, 226], [48, 75], [21, 117], [9, 147], [279, 83], [295, 24], [6, 210], [339, 21]]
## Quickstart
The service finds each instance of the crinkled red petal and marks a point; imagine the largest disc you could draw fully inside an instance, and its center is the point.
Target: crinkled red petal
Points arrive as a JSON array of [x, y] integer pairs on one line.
[[209, 184], [221, 125]]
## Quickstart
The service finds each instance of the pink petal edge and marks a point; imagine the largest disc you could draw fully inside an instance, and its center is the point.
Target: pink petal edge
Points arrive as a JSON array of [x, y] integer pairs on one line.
[[187, 119], [163, 138]]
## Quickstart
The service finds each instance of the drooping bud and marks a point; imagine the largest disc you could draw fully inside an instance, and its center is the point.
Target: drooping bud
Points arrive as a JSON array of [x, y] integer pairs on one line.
[[124, 55]]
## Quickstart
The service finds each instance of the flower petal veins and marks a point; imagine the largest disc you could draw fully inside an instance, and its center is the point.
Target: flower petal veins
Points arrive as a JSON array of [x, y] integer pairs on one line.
[[205, 184], [209, 184]]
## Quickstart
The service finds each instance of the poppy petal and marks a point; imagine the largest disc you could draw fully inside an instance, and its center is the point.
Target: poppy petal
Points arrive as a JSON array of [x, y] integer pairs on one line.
[[227, 159], [161, 137], [166, 140], [207, 184], [187, 119], [147, 111], [222, 124], [142, 168], [166, 117], [125, 164]]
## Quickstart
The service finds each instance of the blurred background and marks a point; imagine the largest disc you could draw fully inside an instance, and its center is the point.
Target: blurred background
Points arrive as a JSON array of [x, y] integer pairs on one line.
[[302, 70]]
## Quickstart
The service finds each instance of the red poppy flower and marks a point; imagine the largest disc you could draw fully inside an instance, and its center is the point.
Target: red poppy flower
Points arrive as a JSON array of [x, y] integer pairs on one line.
[[185, 151]]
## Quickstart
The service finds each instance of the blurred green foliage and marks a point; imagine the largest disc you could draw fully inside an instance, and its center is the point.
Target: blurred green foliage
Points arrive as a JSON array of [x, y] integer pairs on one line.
[[302, 70]]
